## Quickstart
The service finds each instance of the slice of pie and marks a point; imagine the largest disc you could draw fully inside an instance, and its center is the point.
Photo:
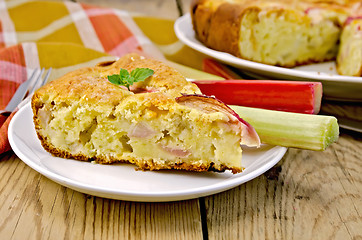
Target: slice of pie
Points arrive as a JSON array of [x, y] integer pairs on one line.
[[163, 122]]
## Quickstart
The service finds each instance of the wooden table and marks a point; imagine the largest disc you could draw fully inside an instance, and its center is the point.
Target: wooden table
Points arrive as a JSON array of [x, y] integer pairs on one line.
[[307, 195]]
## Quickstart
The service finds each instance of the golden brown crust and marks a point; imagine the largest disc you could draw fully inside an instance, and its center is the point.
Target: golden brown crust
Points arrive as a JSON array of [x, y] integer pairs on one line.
[[224, 28], [94, 81], [164, 76], [201, 17], [217, 26]]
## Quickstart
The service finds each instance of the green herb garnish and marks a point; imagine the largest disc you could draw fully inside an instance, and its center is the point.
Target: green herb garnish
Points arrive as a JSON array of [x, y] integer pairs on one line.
[[126, 79]]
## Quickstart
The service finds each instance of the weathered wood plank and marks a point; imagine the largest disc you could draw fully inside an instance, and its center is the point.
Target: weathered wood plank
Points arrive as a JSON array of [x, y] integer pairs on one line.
[[38, 208], [308, 195]]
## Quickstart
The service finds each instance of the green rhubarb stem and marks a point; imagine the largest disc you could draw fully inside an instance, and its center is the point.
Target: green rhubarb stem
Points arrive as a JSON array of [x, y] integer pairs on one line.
[[313, 132]]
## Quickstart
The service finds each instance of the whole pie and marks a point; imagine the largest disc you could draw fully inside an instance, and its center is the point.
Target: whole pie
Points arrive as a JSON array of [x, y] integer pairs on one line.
[[163, 122], [283, 33]]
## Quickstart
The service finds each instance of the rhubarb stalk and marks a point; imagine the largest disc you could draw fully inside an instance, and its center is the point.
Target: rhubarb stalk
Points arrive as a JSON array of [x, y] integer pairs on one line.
[[213, 67], [313, 132], [290, 96]]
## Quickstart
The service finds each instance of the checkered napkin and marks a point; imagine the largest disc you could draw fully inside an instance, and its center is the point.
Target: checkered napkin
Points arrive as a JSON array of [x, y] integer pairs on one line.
[[68, 35]]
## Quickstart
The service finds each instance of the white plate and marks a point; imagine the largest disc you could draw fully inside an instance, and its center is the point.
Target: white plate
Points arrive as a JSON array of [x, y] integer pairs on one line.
[[122, 181], [334, 86]]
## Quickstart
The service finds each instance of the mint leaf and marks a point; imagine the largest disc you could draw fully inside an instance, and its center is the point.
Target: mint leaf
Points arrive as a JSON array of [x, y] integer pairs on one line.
[[126, 79], [141, 74], [114, 79], [123, 74]]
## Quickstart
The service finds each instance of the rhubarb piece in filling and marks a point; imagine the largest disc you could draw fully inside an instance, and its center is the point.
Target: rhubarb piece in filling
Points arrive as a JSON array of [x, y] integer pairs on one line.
[[162, 123]]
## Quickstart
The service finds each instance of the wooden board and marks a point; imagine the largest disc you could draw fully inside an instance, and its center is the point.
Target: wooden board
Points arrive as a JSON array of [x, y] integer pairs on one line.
[[36, 208], [308, 195]]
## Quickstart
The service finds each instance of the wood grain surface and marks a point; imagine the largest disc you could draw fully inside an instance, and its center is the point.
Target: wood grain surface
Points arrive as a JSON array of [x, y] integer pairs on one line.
[[307, 195], [33, 207]]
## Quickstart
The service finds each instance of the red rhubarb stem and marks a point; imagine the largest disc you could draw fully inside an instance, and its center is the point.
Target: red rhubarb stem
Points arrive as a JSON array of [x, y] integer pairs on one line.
[[289, 96], [213, 67]]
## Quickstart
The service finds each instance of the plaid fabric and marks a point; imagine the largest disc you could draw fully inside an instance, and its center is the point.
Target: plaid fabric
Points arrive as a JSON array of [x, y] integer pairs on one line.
[[68, 35]]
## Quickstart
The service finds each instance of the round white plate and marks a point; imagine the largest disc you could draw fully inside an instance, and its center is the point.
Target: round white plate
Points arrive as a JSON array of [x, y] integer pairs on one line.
[[334, 86], [122, 181]]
